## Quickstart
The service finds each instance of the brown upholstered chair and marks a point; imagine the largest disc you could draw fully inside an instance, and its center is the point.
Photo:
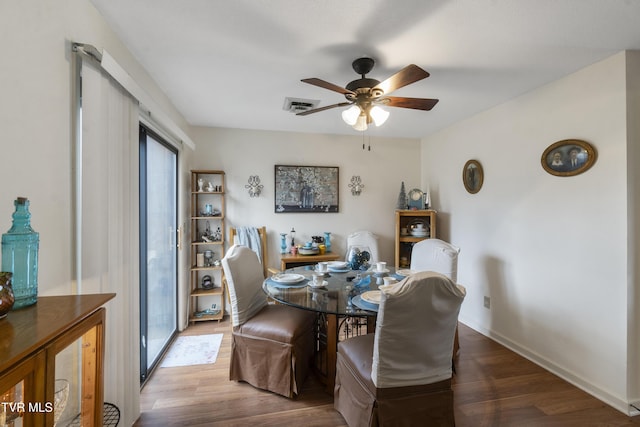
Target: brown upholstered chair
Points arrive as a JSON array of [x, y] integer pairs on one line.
[[272, 345], [401, 375]]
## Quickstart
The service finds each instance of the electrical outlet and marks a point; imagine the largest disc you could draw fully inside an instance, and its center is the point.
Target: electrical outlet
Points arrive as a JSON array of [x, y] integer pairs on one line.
[[487, 302]]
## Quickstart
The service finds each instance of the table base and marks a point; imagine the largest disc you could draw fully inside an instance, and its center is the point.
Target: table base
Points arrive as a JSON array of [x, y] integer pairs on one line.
[[331, 329]]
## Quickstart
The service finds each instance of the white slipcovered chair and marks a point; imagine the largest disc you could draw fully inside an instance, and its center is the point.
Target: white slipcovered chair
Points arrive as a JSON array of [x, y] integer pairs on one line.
[[436, 255], [272, 345], [401, 375], [441, 257]]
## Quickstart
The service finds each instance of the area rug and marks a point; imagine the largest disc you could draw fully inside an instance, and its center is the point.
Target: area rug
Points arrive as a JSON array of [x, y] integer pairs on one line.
[[193, 350]]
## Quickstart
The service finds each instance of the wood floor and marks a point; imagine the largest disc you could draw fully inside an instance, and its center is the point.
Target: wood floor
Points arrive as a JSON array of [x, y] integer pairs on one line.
[[492, 387]]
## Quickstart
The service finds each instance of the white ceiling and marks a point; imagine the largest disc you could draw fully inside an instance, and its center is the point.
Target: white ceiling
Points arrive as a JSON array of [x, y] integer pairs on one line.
[[232, 63]]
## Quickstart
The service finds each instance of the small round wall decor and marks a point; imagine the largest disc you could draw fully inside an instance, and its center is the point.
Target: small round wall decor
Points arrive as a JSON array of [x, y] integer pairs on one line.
[[472, 176]]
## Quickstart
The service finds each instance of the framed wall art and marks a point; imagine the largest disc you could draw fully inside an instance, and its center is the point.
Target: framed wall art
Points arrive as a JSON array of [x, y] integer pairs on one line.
[[306, 188], [568, 157], [472, 176]]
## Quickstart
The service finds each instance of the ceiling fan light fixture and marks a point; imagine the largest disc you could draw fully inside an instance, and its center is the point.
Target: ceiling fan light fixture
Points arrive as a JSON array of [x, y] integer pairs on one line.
[[361, 123], [378, 115], [351, 114]]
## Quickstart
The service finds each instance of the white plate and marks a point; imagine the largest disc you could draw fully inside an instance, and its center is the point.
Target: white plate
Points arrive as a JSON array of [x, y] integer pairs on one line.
[[405, 272], [318, 286], [303, 251], [419, 233], [338, 265], [288, 278], [371, 296], [375, 271]]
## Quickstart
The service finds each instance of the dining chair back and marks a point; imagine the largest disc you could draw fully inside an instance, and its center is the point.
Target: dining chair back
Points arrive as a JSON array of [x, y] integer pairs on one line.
[[272, 344], [256, 239], [243, 274], [436, 255], [401, 374]]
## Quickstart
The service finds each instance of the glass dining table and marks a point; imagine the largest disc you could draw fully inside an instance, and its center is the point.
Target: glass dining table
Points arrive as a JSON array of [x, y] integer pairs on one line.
[[341, 302]]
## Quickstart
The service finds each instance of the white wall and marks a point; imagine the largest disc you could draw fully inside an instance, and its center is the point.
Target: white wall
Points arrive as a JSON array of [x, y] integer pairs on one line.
[[36, 121], [633, 212], [242, 153], [550, 252]]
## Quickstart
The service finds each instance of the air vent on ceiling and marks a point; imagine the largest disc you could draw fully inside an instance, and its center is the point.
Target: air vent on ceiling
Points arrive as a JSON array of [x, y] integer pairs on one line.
[[298, 105]]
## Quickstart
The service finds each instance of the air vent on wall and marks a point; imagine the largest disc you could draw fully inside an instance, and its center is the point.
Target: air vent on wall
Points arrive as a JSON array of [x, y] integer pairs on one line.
[[298, 105]]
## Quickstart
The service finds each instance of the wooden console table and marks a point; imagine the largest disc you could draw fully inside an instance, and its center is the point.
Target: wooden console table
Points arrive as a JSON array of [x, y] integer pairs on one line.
[[290, 261], [30, 339]]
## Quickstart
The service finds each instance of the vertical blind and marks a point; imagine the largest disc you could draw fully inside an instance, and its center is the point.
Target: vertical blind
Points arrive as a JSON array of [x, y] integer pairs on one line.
[[107, 215]]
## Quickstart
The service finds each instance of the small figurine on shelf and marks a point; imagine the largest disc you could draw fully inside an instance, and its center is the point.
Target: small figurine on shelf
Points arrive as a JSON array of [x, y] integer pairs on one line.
[[206, 235], [217, 236], [207, 282], [210, 187], [402, 198], [208, 258], [200, 185]]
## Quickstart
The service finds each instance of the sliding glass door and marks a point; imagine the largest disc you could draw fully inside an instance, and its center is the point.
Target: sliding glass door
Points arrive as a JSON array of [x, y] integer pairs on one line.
[[158, 254]]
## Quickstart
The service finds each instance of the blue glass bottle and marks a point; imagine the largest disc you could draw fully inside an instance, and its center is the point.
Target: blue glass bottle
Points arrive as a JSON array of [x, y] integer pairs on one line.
[[20, 255], [283, 243], [327, 241]]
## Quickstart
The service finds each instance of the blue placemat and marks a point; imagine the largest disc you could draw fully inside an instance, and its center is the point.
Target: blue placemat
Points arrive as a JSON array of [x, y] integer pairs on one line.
[[360, 303], [275, 284]]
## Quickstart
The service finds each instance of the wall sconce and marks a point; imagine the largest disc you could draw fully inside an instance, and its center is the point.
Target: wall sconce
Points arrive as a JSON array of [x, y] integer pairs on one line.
[[356, 185], [254, 186]]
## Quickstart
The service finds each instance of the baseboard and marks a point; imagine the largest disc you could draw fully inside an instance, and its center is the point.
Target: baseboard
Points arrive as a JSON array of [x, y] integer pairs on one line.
[[626, 408]]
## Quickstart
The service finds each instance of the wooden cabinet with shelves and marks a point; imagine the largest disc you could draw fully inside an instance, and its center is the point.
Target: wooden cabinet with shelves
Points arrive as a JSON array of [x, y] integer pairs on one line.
[[207, 245], [405, 241], [32, 337]]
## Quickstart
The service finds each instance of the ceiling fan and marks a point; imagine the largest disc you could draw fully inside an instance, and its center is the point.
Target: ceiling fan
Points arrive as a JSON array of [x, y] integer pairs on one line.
[[366, 95]]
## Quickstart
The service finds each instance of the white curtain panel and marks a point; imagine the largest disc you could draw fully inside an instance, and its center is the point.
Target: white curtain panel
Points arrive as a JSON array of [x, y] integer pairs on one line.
[[109, 243]]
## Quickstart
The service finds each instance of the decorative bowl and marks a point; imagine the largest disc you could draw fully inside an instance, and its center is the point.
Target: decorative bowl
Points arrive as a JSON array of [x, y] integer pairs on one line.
[[418, 228]]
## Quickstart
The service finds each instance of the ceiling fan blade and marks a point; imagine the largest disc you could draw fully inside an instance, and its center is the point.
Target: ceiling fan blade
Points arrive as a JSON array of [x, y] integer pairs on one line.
[[326, 85], [414, 103], [409, 74], [328, 107]]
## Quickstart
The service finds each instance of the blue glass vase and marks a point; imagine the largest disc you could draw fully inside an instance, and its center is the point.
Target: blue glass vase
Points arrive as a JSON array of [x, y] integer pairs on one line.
[[283, 243], [20, 255], [327, 241]]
